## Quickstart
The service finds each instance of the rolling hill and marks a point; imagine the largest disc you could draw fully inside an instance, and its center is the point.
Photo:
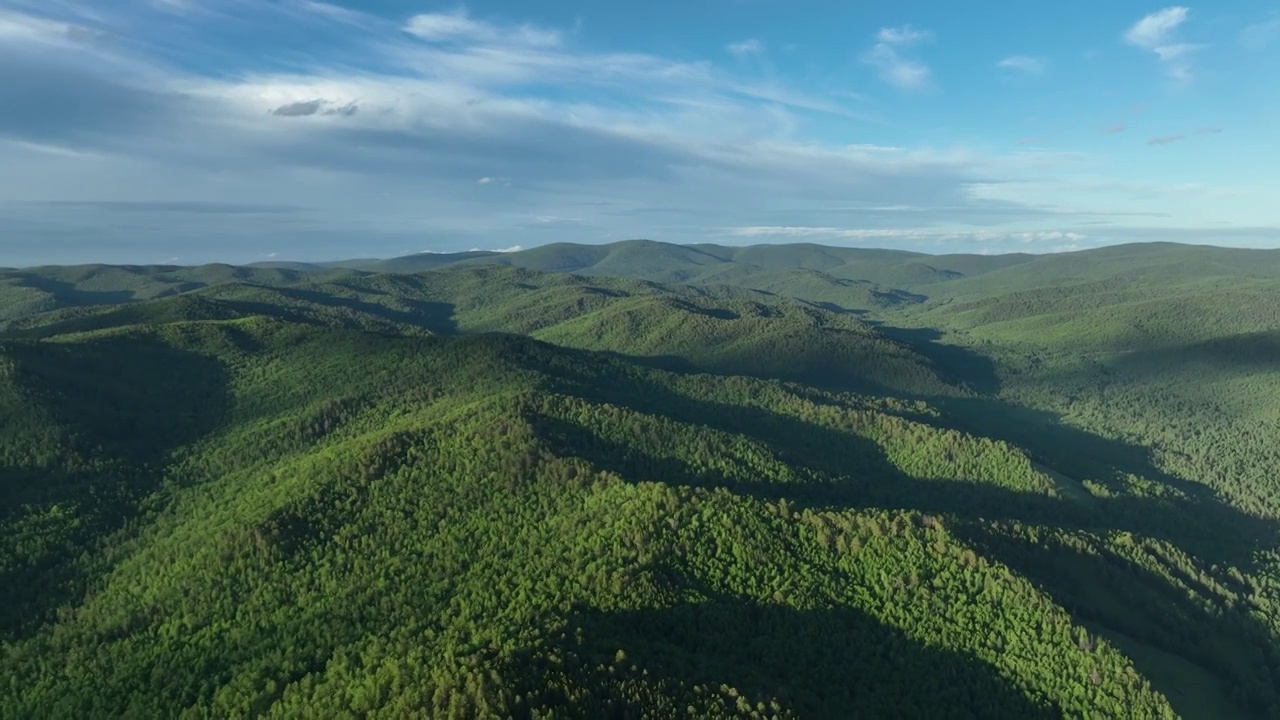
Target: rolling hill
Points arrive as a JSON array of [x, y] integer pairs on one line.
[[626, 519], [718, 328], [878, 271], [645, 480]]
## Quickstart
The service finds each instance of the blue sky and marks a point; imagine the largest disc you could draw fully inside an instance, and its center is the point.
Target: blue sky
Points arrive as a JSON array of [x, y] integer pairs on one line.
[[242, 130]]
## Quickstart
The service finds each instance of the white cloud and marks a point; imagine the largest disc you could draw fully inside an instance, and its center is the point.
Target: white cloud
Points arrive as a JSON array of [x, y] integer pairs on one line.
[[1169, 53], [335, 12], [750, 46], [22, 27], [445, 26], [1170, 139], [1261, 35], [896, 70], [901, 72], [467, 53], [53, 150], [513, 248], [905, 35], [1024, 63], [458, 26], [176, 6], [1154, 30], [1155, 33]]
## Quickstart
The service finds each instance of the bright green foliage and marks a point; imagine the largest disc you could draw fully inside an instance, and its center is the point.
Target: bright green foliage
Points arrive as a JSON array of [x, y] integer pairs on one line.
[[448, 526]]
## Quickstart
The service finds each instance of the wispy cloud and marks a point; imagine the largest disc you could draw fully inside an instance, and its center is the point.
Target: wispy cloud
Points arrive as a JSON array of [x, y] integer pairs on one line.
[[21, 27], [886, 56], [905, 35], [1170, 139], [1024, 64], [183, 7], [1156, 33], [513, 248], [1154, 30], [1112, 130], [458, 26], [750, 46], [1260, 36], [335, 13]]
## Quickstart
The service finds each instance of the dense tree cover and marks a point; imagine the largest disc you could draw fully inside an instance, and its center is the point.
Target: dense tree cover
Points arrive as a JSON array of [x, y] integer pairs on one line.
[[34, 290], [1176, 361], [1028, 487], [719, 328], [396, 524]]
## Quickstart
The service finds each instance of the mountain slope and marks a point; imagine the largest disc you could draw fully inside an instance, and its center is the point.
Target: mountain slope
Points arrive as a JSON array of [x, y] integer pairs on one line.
[[716, 328], [328, 493], [1166, 347], [885, 274], [35, 290], [490, 524]]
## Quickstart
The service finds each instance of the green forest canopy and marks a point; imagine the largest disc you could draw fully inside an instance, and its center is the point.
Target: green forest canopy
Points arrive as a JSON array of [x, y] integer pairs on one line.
[[777, 481]]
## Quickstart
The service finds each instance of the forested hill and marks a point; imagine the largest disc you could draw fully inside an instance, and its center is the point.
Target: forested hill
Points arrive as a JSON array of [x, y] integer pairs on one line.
[[720, 328], [857, 278], [874, 280], [799, 482]]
